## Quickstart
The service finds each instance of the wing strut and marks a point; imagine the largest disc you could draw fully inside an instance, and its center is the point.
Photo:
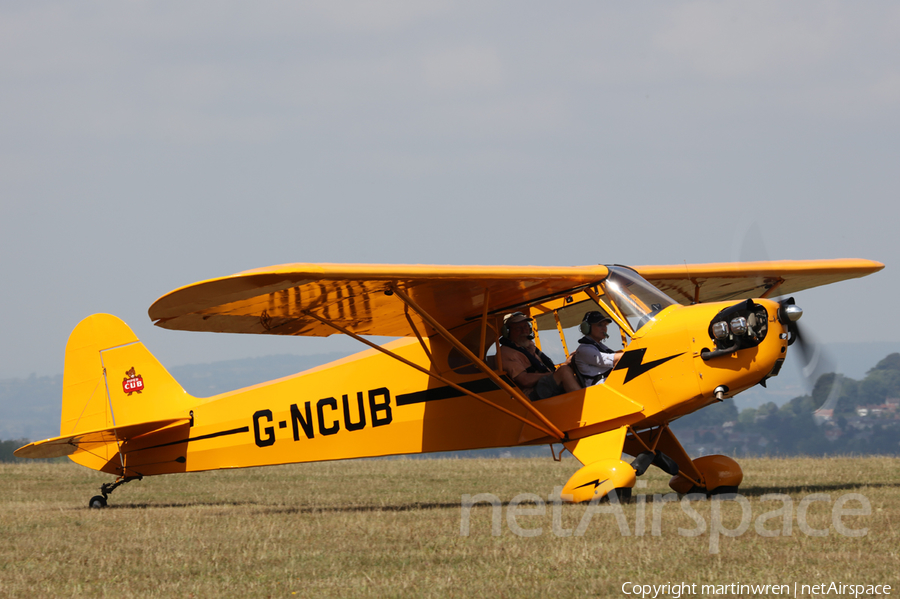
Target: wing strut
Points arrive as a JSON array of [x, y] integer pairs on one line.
[[515, 393], [552, 432], [771, 290], [415, 330]]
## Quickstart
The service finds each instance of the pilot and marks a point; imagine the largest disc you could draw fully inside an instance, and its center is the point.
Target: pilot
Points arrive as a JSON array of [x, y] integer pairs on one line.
[[531, 369], [593, 360]]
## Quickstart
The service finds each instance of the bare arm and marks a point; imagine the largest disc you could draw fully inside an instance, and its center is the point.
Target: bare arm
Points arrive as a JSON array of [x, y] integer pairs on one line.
[[529, 379]]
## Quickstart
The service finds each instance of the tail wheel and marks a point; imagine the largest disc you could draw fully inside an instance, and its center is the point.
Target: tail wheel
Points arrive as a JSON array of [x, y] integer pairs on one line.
[[99, 501]]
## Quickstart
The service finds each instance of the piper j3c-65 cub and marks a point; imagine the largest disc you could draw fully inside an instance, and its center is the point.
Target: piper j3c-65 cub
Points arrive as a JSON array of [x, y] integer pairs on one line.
[[692, 335]]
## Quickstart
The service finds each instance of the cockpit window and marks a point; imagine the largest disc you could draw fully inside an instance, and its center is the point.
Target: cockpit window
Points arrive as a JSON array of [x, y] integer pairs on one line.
[[638, 300]]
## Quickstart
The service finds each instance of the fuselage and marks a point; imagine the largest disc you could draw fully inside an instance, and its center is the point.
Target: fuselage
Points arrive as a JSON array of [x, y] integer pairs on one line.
[[371, 404]]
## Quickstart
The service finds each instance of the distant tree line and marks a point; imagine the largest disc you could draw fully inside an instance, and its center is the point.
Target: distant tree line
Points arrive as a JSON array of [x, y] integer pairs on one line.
[[8, 447], [30, 406], [855, 419], [790, 429]]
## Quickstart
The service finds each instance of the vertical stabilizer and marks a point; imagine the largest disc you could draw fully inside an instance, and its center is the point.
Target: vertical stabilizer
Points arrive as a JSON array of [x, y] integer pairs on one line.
[[111, 379]]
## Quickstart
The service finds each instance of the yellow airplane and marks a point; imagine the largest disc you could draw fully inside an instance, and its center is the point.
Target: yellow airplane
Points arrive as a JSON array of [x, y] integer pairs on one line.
[[691, 335]]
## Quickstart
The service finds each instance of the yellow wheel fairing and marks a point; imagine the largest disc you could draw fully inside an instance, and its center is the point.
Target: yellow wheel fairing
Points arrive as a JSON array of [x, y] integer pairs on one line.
[[598, 479], [716, 471]]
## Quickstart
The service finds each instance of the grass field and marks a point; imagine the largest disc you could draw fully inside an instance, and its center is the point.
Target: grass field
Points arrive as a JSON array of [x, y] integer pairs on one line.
[[392, 528]]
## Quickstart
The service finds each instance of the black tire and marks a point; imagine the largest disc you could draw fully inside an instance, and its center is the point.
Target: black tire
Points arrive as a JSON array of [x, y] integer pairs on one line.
[[623, 494], [97, 502], [725, 491]]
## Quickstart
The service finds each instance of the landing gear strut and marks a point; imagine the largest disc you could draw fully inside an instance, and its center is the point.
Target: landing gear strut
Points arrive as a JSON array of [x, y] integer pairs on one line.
[[99, 501]]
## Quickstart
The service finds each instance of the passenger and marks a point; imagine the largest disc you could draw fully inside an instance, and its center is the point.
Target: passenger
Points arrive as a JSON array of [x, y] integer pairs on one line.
[[529, 367], [593, 360]]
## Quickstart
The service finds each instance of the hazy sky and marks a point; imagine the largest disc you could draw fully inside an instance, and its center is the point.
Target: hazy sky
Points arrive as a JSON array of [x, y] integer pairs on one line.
[[148, 145]]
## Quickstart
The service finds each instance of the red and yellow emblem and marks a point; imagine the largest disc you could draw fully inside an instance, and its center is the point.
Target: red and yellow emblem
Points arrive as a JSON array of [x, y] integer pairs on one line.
[[132, 383]]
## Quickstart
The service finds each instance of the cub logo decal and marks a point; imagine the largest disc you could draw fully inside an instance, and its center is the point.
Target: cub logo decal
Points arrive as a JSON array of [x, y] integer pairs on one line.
[[132, 383]]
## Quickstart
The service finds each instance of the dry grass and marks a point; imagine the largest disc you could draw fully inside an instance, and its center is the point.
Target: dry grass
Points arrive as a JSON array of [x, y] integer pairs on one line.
[[391, 528]]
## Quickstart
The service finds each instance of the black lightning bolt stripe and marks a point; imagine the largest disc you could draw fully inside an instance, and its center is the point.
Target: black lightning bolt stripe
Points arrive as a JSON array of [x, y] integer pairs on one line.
[[632, 361], [439, 393], [596, 482], [234, 431]]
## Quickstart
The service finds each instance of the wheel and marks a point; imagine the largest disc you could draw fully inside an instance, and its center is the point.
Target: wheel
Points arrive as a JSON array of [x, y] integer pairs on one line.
[[623, 494], [97, 502]]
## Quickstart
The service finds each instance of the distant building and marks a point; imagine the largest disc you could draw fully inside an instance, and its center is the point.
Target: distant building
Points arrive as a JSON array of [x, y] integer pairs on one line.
[[822, 415]]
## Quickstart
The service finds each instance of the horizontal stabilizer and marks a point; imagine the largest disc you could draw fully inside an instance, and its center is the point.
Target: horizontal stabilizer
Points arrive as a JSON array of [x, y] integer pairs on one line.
[[67, 445]]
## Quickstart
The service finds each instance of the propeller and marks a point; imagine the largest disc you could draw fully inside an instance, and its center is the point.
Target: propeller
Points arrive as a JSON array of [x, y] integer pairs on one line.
[[814, 361]]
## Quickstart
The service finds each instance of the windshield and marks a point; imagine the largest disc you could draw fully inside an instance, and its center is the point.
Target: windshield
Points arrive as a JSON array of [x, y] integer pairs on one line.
[[636, 299]]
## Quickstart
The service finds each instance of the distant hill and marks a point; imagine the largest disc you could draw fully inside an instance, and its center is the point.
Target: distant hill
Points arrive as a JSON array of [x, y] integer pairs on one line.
[[205, 380], [852, 360], [840, 416], [30, 406]]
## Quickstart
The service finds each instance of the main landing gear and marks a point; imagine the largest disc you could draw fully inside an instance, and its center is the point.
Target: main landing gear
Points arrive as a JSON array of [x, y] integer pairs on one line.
[[711, 475], [99, 501], [604, 471]]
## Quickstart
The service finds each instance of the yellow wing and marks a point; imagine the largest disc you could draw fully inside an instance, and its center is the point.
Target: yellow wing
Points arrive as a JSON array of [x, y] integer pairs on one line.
[[694, 283], [278, 300]]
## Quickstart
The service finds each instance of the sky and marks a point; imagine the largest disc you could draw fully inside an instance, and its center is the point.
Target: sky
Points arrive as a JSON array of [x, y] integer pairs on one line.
[[149, 145]]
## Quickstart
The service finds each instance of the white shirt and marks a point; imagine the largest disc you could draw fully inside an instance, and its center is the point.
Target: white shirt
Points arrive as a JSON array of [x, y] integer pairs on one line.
[[591, 362]]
